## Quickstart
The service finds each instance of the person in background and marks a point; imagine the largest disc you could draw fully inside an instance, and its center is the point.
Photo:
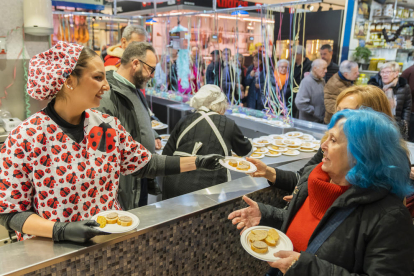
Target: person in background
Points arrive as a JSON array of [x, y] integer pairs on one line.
[[162, 73], [309, 100], [326, 54], [408, 74], [228, 81], [213, 132], [281, 76], [347, 215], [302, 66], [114, 53], [214, 68], [255, 76], [126, 102], [398, 93], [195, 55], [241, 70], [347, 74]]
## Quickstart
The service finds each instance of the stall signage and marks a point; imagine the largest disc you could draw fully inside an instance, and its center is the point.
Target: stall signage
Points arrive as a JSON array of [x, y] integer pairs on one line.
[[231, 3], [82, 4]]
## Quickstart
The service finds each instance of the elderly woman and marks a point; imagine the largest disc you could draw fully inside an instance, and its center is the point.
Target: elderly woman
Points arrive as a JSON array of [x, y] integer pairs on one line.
[[62, 165], [351, 98], [207, 130], [398, 93], [281, 73], [346, 216]]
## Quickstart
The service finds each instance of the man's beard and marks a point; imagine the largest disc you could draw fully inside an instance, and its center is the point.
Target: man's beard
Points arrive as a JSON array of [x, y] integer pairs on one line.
[[139, 80]]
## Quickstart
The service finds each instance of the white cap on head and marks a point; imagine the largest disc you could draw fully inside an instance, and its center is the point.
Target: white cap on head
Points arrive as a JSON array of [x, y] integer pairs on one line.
[[207, 96]]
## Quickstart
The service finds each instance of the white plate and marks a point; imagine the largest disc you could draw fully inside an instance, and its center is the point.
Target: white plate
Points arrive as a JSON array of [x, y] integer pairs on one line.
[[281, 149], [256, 141], [258, 157], [294, 134], [115, 228], [264, 150], [284, 243], [165, 137], [273, 155], [258, 145], [307, 150], [277, 137], [296, 152], [307, 137], [225, 163], [161, 126], [316, 142], [296, 142]]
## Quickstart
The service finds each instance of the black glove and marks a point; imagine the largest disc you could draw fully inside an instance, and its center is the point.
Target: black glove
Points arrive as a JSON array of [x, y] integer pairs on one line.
[[78, 231], [208, 162]]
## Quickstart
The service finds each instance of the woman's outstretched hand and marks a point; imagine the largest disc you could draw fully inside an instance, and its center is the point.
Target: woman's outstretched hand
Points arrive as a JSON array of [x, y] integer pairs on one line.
[[246, 217]]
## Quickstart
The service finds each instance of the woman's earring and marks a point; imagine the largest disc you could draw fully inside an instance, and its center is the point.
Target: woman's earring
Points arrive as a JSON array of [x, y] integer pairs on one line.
[[71, 88]]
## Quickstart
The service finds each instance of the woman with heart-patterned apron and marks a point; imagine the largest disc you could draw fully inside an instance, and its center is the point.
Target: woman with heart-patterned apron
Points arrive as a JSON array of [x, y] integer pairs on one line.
[[61, 166]]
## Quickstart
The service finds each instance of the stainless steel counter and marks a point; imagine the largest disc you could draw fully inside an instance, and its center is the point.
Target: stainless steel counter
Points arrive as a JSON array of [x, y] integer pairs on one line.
[[33, 254]]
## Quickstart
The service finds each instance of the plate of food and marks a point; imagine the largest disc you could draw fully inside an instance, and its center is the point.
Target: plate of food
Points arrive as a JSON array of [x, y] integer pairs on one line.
[[307, 137], [294, 134], [278, 143], [307, 146], [277, 148], [261, 150], [273, 153], [158, 125], [292, 142], [238, 165], [262, 242], [165, 137], [316, 142], [262, 142], [291, 152], [257, 155], [277, 137], [115, 221]]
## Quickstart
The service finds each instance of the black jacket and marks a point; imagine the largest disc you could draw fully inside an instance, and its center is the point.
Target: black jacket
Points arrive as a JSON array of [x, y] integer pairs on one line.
[[376, 239], [402, 92]]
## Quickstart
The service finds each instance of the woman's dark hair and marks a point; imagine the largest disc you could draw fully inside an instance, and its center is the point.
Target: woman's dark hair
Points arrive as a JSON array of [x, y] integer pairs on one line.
[[81, 64], [84, 57]]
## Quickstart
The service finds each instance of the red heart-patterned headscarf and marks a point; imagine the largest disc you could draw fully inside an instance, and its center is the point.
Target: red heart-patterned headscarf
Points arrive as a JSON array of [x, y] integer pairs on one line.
[[49, 70]]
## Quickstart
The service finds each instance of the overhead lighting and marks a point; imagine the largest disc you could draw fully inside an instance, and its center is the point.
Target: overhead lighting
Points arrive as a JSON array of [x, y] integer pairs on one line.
[[240, 12], [330, 7], [310, 7], [320, 7], [176, 13], [205, 15], [227, 17], [258, 20]]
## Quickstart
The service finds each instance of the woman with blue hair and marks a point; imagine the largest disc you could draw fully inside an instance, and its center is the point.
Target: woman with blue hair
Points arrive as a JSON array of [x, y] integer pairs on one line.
[[346, 216]]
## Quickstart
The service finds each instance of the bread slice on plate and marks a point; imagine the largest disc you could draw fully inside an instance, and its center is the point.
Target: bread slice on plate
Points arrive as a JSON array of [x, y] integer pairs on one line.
[[112, 218], [259, 247]]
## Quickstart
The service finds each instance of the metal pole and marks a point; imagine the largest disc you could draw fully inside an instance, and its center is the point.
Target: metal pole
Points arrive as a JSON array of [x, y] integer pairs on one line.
[[155, 8], [214, 5], [115, 8]]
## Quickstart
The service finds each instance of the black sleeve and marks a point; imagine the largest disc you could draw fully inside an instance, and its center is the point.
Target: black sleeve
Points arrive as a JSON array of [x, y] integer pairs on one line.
[[287, 180], [271, 216], [240, 144], [15, 221], [160, 165], [406, 112]]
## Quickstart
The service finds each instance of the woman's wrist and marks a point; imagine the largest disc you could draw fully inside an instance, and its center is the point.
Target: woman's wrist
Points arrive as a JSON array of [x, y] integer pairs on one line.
[[270, 174], [188, 164]]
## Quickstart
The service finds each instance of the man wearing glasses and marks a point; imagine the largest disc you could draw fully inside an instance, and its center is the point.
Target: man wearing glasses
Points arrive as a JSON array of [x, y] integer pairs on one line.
[[126, 102]]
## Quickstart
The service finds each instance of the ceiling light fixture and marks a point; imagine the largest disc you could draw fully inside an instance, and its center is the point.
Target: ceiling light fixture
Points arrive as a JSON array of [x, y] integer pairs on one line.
[[310, 7]]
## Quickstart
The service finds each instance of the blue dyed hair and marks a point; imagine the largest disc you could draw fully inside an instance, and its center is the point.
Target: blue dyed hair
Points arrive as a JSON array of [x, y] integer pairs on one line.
[[377, 158]]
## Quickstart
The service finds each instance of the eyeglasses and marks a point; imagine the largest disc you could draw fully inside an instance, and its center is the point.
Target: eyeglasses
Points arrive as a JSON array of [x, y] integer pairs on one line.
[[384, 73], [152, 68], [283, 67]]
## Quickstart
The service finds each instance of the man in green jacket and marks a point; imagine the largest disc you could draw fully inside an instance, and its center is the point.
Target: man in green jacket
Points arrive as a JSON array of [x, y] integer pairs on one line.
[[126, 102]]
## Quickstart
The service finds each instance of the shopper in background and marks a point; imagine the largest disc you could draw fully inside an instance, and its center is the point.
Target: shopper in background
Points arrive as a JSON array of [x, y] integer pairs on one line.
[[114, 53], [302, 65], [408, 74], [347, 215], [309, 100], [213, 132], [326, 54], [281, 76], [214, 68], [347, 74], [398, 93], [228, 78], [240, 70], [126, 102], [255, 79], [162, 73]]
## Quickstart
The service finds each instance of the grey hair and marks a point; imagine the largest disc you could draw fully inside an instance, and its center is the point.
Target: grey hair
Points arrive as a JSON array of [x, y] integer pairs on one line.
[[131, 29], [393, 65], [283, 61], [317, 62], [220, 107], [347, 65], [136, 50], [299, 50]]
